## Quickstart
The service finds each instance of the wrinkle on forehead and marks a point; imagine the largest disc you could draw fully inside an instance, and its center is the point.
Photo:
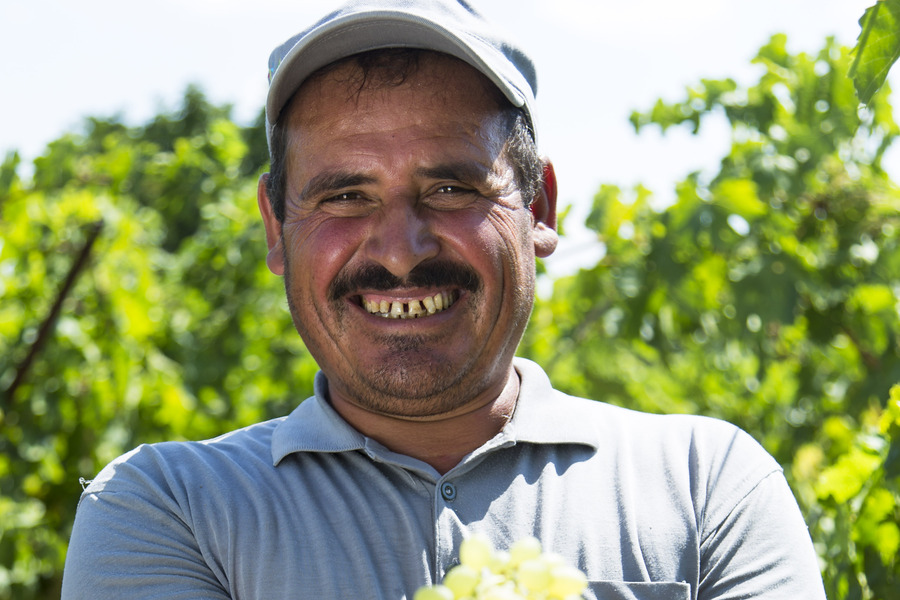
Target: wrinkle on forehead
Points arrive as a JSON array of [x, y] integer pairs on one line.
[[430, 78], [382, 69]]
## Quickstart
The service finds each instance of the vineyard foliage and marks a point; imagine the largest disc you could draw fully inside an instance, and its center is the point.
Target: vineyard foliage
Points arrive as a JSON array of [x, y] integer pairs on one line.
[[767, 294]]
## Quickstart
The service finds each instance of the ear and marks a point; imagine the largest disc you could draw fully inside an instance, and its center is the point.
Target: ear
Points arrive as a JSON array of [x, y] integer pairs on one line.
[[275, 257], [543, 209]]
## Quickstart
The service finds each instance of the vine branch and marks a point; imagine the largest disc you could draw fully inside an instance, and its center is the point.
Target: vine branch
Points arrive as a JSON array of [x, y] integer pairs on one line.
[[47, 326]]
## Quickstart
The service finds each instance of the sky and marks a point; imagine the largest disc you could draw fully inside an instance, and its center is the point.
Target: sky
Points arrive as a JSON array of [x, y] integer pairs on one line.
[[597, 60]]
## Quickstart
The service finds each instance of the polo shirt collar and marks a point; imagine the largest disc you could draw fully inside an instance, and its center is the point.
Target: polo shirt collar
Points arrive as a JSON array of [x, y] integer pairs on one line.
[[542, 416], [546, 416], [315, 426]]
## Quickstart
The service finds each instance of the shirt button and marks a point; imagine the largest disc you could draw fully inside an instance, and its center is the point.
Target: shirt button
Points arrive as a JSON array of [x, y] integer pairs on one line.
[[448, 491]]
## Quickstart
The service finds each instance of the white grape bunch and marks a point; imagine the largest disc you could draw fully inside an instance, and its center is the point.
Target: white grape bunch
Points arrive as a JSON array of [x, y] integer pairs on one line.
[[525, 572]]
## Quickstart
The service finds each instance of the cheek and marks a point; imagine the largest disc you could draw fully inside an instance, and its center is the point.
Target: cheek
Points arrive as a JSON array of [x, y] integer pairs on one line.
[[497, 243], [471, 235], [512, 229], [319, 250], [517, 261]]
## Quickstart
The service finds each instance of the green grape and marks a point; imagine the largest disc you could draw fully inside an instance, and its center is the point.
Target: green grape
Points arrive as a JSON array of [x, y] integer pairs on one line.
[[461, 580], [500, 562], [434, 592], [476, 552], [501, 592], [566, 581], [524, 549], [523, 573], [534, 574]]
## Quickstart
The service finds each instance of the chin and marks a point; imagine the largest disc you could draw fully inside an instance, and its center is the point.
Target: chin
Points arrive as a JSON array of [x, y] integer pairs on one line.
[[411, 387]]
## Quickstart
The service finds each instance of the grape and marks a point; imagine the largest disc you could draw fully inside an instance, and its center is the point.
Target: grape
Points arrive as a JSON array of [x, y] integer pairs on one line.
[[523, 573], [476, 552], [524, 549], [534, 574], [462, 580], [434, 592], [501, 593], [500, 562], [566, 581]]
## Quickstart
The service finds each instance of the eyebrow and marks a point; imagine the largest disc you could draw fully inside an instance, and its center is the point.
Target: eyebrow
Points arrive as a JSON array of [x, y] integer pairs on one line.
[[468, 171], [332, 182]]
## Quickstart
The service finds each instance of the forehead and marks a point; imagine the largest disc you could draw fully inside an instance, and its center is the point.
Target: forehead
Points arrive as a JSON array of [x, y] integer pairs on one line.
[[422, 82]]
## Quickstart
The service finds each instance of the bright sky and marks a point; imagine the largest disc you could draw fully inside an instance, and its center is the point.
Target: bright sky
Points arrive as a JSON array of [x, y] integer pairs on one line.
[[597, 61]]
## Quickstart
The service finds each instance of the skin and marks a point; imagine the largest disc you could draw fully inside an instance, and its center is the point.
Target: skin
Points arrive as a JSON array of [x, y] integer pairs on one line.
[[400, 178]]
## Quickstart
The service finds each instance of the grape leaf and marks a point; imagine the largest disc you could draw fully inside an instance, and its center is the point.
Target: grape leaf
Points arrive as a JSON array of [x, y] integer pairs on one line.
[[877, 47]]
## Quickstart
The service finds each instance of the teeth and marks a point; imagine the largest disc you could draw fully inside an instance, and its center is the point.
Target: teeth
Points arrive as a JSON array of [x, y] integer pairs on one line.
[[414, 309]]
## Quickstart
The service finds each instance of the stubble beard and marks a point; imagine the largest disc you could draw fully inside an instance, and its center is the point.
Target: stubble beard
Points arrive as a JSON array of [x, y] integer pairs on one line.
[[410, 379]]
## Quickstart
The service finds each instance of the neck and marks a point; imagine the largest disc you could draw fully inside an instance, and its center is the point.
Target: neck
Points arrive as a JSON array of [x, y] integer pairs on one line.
[[443, 440]]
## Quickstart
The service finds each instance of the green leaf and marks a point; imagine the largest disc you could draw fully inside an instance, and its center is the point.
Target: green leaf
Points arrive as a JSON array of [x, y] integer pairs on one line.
[[872, 298], [740, 197], [877, 47], [846, 478]]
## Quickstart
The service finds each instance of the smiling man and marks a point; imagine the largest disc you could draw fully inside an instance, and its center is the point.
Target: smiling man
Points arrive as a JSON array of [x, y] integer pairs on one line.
[[405, 207], [403, 195]]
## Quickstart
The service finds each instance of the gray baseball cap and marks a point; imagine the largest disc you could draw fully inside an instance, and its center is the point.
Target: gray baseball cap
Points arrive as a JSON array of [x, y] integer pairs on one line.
[[449, 26]]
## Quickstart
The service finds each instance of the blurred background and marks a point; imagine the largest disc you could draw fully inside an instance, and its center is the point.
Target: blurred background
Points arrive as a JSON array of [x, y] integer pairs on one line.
[[730, 248], [597, 62]]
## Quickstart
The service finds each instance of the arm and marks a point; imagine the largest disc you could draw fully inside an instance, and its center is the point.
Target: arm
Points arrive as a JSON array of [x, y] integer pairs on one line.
[[761, 549], [135, 544]]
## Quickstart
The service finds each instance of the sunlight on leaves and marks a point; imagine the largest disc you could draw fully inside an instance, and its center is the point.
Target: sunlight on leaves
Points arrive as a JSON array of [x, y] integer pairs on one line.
[[877, 48]]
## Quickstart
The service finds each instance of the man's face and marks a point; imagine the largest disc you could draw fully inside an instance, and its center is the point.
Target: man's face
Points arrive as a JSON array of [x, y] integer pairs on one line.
[[407, 249]]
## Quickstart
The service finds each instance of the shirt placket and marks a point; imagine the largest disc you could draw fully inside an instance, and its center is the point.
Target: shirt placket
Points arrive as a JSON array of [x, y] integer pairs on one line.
[[448, 528]]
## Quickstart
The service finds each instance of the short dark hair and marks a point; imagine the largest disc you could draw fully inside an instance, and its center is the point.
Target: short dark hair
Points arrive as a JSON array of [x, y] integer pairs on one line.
[[391, 67]]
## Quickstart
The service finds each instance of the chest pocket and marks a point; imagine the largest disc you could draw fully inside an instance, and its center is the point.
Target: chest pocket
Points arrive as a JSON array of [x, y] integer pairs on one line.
[[619, 590]]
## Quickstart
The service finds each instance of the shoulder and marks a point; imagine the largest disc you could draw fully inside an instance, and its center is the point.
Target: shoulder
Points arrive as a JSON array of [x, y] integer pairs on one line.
[[714, 462], [548, 415], [626, 427], [168, 465], [698, 441]]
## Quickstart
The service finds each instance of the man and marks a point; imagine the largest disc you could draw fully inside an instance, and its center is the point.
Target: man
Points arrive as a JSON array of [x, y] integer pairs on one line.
[[405, 207]]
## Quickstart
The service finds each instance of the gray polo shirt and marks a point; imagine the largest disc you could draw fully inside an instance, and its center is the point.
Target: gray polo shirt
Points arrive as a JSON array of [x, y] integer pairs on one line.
[[306, 507]]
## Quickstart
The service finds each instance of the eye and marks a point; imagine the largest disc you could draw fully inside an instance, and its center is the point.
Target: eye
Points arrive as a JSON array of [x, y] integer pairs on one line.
[[345, 197], [450, 197], [346, 204], [451, 189]]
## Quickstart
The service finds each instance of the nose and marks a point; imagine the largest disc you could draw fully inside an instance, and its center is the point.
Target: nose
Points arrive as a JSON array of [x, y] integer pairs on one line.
[[401, 238]]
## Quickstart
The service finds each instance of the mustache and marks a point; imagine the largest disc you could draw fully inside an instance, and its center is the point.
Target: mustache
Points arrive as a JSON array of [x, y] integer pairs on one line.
[[437, 273]]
